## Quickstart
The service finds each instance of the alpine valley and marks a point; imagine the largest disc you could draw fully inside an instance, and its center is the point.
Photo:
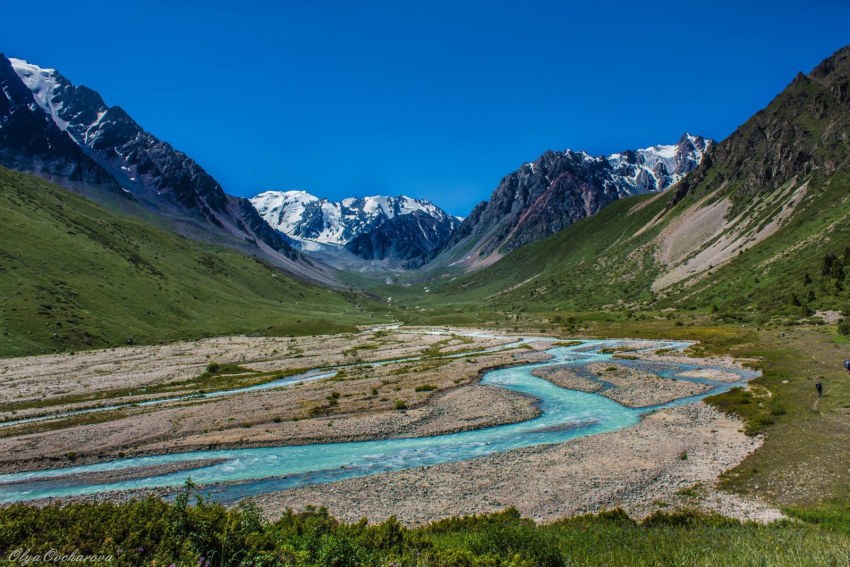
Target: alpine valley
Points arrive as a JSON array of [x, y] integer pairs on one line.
[[622, 359]]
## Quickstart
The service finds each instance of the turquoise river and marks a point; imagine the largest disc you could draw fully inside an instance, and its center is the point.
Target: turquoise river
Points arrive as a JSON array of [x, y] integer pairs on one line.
[[228, 475]]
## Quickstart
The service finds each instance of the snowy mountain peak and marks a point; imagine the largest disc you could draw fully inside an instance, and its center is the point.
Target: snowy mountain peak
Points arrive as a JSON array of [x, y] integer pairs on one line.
[[33, 74], [401, 205], [68, 131], [305, 217], [559, 188], [370, 227], [295, 195], [77, 110], [647, 169], [660, 166], [42, 83]]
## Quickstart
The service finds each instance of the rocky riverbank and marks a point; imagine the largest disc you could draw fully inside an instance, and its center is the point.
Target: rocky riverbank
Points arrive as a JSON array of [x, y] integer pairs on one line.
[[670, 459]]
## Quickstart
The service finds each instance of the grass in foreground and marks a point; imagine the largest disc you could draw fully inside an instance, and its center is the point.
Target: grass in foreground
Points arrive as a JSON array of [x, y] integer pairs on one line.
[[156, 533]]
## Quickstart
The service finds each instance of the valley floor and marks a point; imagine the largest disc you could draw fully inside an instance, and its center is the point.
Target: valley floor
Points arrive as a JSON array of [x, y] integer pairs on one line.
[[390, 384], [393, 382]]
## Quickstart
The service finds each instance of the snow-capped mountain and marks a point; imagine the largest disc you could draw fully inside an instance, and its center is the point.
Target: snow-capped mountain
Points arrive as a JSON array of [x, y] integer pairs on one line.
[[659, 167], [67, 133], [30, 141], [559, 188], [397, 229]]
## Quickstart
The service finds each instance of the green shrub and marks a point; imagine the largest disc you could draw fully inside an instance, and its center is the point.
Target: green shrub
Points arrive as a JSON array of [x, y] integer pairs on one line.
[[193, 531]]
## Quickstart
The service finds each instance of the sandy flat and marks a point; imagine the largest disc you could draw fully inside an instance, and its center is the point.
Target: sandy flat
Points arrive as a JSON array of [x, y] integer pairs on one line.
[[565, 376], [711, 374], [45, 376]]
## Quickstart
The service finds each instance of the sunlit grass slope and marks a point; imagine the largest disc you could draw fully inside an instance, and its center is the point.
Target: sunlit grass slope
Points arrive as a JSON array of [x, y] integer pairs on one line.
[[75, 275]]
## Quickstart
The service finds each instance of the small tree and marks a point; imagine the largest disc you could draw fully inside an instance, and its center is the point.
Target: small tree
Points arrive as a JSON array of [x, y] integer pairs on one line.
[[826, 265]]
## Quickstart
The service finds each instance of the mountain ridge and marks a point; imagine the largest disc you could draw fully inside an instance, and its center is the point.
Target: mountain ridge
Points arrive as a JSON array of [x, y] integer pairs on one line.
[[100, 151], [29, 140]]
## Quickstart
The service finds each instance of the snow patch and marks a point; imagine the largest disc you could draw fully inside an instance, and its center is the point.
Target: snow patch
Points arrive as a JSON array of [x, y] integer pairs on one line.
[[42, 83]]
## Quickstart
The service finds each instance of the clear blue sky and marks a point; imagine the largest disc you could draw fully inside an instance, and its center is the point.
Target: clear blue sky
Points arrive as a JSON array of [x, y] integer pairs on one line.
[[431, 99]]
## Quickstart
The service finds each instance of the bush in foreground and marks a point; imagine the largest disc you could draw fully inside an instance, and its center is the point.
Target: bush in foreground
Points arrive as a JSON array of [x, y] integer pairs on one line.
[[153, 532]]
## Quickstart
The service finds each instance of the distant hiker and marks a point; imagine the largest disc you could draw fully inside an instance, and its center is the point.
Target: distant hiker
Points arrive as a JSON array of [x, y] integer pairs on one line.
[[819, 387], [847, 366]]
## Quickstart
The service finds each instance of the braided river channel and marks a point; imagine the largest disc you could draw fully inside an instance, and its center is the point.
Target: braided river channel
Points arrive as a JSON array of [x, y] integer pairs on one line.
[[228, 475]]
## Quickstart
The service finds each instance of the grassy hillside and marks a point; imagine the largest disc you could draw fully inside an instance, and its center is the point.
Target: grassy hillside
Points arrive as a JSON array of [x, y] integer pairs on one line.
[[74, 275], [760, 231], [555, 271], [610, 261]]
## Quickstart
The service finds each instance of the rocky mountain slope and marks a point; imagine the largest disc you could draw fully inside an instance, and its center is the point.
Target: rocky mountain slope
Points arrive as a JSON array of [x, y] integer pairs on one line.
[[31, 141], [760, 229], [389, 231], [559, 188], [67, 133]]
